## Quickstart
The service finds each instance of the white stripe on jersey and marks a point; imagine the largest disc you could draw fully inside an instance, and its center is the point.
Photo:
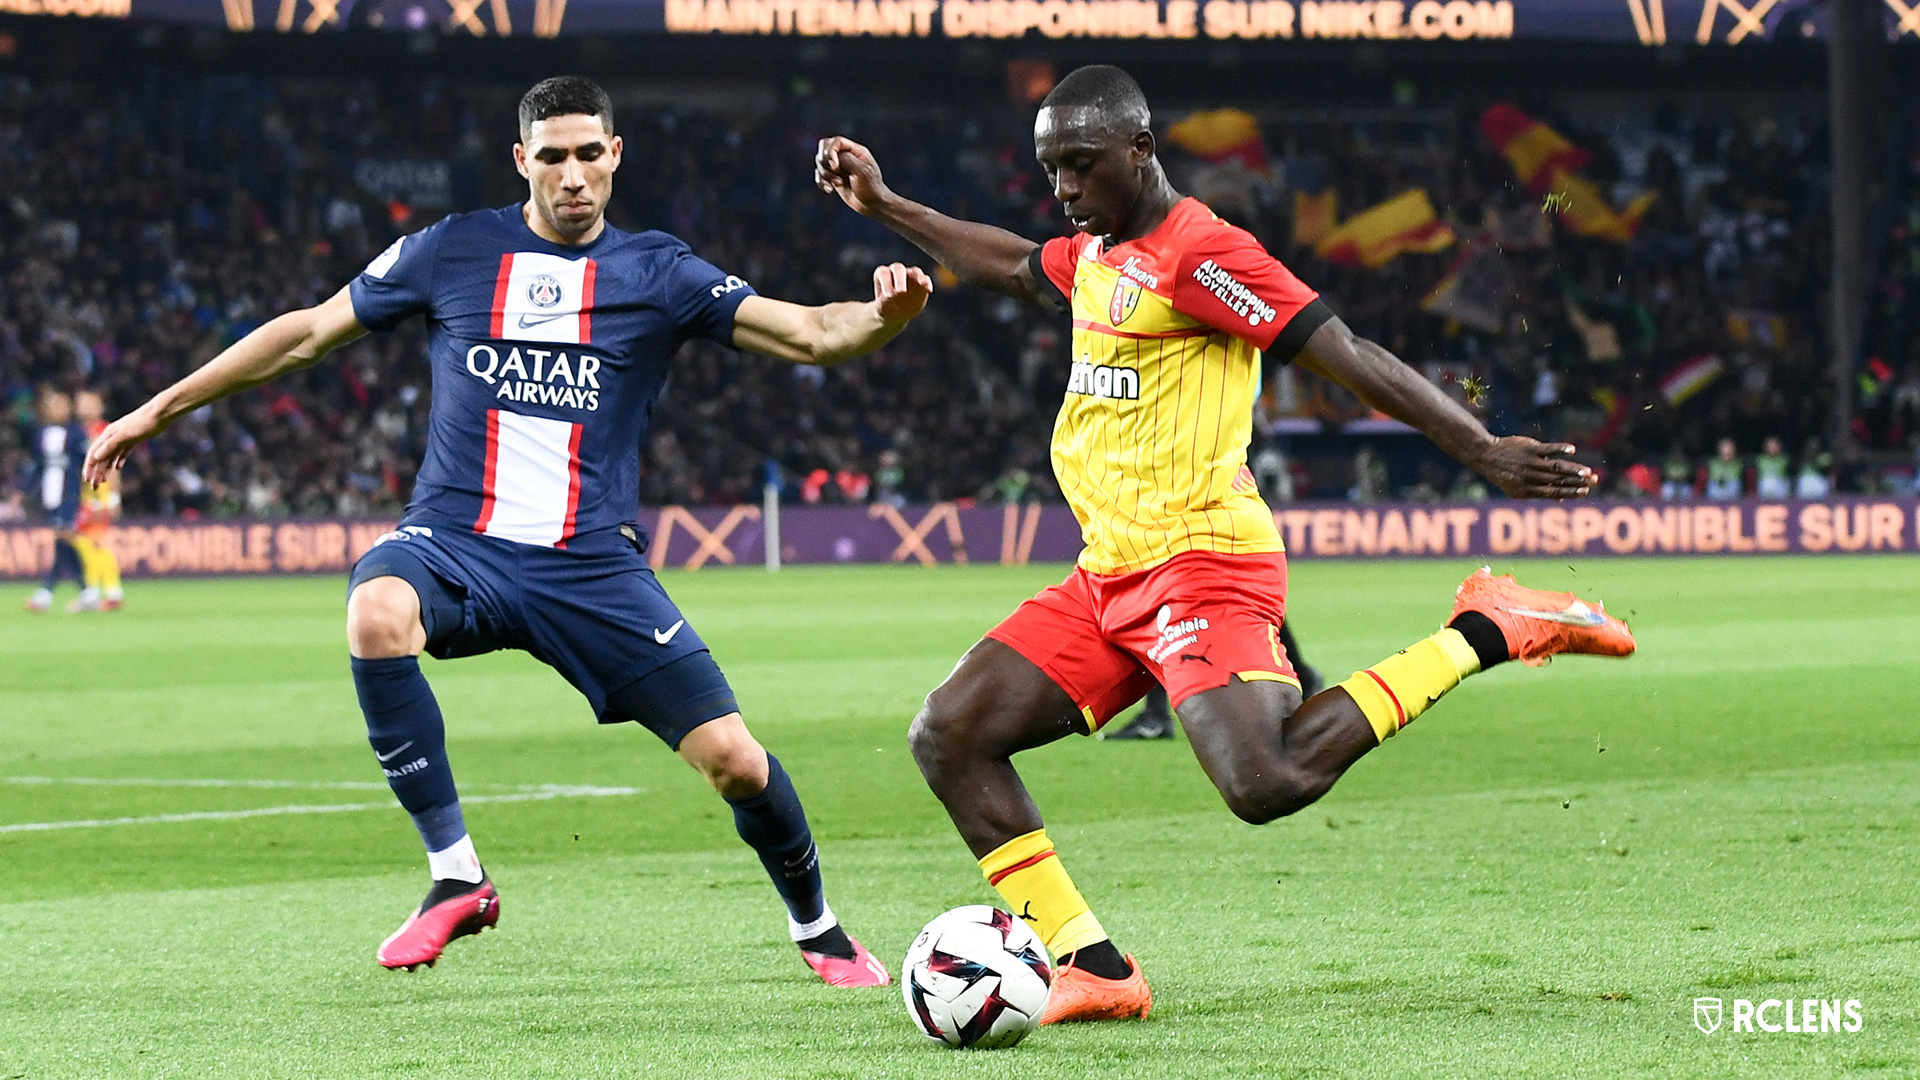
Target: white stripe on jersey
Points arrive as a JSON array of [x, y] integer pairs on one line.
[[540, 297], [53, 478], [532, 486]]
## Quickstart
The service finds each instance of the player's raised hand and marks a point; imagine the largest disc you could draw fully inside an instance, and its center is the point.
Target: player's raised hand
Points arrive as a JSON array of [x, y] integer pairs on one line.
[[900, 291], [847, 169], [110, 448], [1530, 469]]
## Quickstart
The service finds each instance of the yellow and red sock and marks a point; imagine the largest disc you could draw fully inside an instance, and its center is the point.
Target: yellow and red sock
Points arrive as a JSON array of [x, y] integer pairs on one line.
[[1027, 873], [1395, 690]]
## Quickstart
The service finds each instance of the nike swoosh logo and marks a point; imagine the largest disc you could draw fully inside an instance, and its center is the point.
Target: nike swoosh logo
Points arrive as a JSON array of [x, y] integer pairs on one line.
[[664, 636], [526, 323], [395, 752], [1577, 614]]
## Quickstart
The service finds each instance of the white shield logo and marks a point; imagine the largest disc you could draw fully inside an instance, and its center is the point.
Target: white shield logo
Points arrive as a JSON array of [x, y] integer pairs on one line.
[[1706, 1015]]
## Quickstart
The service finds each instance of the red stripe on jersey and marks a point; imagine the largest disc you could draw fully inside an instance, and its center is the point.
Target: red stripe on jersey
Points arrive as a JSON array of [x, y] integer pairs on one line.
[[500, 310], [573, 455], [586, 306], [493, 446], [1103, 328]]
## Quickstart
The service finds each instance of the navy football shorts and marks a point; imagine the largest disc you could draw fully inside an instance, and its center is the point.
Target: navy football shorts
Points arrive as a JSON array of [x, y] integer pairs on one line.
[[593, 611]]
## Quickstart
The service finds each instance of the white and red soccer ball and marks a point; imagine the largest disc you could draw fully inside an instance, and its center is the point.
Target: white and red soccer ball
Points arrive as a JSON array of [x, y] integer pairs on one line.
[[977, 977]]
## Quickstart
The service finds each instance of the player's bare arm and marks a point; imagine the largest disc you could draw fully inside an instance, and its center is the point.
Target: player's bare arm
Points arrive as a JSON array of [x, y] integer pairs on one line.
[[981, 255], [832, 333], [290, 342], [1520, 466]]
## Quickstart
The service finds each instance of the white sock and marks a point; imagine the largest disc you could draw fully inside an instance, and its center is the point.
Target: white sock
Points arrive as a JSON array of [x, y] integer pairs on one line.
[[458, 862], [800, 931]]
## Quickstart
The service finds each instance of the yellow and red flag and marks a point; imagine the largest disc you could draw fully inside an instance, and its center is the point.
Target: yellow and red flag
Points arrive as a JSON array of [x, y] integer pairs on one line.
[[1315, 214], [1222, 135], [1548, 164], [1377, 235]]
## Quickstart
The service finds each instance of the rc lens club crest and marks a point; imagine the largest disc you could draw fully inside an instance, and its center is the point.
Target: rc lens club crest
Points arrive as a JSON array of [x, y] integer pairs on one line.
[[1126, 297]]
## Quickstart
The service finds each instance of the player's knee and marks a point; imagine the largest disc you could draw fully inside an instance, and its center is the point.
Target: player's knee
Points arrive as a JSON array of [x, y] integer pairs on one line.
[[728, 757], [1259, 797], [935, 737], [383, 619]]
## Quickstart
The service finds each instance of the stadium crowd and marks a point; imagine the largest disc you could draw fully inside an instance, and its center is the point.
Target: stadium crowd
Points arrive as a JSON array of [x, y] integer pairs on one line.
[[152, 221]]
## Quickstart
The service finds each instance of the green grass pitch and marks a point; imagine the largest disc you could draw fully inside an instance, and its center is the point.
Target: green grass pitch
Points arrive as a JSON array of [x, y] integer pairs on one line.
[[1535, 879]]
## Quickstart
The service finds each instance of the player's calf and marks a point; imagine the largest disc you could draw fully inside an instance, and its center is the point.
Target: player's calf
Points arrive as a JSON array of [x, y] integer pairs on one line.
[[1267, 754], [769, 818]]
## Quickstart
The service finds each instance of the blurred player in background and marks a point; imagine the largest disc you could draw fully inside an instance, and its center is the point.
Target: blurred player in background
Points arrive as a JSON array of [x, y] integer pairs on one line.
[[1183, 576], [551, 337], [99, 505], [60, 444]]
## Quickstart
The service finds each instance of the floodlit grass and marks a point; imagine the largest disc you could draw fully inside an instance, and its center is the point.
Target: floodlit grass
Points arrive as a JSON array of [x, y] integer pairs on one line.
[[1535, 879]]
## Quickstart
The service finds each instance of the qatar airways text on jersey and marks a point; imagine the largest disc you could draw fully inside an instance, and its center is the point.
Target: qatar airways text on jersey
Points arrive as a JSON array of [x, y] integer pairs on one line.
[[548, 361]]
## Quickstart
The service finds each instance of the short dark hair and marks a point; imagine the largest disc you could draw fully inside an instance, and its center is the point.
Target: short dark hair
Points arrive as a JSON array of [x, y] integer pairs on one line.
[[564, 95], [1106, 90]]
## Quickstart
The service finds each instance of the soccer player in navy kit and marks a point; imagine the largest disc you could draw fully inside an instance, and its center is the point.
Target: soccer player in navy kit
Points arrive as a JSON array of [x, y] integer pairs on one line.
[[59, 441], [552, 333]]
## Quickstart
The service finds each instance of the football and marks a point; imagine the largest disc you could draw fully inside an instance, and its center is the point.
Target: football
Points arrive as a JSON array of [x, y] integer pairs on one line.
[[976, 977]]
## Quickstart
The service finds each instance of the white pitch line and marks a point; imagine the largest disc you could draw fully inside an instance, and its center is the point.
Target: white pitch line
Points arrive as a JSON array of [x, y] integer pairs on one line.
[[550, 791], [94, 781]]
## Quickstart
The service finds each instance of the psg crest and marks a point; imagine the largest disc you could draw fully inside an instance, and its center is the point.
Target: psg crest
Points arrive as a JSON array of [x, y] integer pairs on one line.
[[1126, 297], [1706, 1014], [544, 290]]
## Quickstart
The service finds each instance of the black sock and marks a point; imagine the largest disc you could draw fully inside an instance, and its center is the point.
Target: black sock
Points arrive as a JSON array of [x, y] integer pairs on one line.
[[775, 826], [1157, 704], [447, 888], [1101, 959], [410, 740], [1485, 637], [66, 564], [833, 942]]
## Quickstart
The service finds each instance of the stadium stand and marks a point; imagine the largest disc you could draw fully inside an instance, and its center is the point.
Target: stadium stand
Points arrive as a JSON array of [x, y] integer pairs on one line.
[[153, 219]]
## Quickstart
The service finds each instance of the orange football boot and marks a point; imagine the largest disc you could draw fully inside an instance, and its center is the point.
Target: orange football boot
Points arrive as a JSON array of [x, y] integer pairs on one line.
[[1078, 994], [1539, 625]]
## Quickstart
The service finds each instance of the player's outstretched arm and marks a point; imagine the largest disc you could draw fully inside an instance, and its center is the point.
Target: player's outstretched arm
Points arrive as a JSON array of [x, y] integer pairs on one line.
[[1519, 466], [831, 333], [287, 343], [980, 255]]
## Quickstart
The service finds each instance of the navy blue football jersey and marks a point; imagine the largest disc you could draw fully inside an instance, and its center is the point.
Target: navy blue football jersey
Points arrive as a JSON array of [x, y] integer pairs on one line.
[[547, 362]]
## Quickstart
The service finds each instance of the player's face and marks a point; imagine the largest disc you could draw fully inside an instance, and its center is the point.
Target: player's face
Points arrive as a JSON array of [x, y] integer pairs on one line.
[[1096, 174], [56, 408], [569, 162]]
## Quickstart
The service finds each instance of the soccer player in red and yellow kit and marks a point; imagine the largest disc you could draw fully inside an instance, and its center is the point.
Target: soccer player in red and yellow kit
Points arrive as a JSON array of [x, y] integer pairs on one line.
[[1183, 577], [99, 505]]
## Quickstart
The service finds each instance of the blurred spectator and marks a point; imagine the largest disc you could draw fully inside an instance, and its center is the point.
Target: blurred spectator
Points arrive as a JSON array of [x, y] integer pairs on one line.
[[1273, 474], [1726, 473], [1676, 476], [1770, 471], [154, 218], [1369, 477], [1816, 469]]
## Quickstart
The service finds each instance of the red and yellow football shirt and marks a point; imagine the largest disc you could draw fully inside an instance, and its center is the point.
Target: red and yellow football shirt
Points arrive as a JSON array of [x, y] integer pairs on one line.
[[1150, 447]]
